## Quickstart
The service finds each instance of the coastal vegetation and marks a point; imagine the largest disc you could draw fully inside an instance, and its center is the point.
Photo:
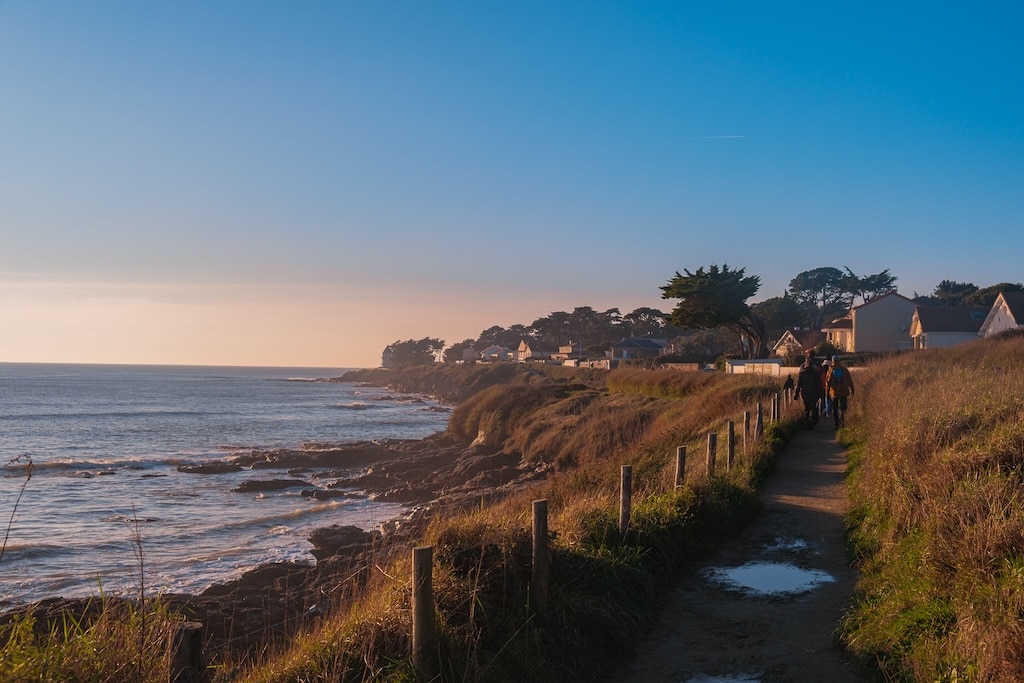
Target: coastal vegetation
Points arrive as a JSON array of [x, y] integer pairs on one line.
[[936, 530]]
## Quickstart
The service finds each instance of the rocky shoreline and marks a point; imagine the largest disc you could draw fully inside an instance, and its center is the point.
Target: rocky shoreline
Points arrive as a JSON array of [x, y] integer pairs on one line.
[[270, 602]]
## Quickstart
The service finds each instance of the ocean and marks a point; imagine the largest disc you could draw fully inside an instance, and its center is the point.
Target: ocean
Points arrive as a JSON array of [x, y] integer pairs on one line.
[[105, 442]]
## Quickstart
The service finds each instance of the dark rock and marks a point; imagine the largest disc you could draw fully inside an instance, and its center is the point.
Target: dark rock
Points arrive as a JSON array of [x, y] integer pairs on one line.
[[329, 494], [210, 468], [268, 485], [340, 540]]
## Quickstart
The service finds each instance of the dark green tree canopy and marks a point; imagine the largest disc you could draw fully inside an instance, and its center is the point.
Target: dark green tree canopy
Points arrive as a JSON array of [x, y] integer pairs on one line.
[[984, 298], [869, 286], [822, 293], [717, 297], [710, 298], [951, 293], [415, 352], [780, 313]]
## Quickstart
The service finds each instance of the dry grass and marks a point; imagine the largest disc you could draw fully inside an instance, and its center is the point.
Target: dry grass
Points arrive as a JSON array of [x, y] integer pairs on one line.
[[604, 586], [938, 523], [107, 641]]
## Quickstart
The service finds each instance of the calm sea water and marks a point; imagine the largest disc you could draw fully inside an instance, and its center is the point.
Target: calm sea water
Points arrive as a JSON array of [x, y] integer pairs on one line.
[[105, 442]]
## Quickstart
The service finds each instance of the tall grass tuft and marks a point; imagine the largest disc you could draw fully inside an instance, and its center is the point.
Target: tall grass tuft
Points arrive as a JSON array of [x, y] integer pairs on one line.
[[106, 642], [937, 490]]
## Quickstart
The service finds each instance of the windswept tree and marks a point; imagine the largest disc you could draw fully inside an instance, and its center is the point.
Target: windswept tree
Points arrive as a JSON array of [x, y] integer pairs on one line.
[[823, 293], [717, 297], [827, 293], [869, 286]]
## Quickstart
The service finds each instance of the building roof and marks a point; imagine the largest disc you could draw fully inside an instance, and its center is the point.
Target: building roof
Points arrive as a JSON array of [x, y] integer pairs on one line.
[[804, 338], [536, 345], [950, 318], [642, 343], [1015, 302], [839, 324], [880, 297], [808, 339]]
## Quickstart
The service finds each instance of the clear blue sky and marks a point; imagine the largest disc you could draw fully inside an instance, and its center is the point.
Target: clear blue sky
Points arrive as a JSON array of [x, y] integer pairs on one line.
[[282, 183]]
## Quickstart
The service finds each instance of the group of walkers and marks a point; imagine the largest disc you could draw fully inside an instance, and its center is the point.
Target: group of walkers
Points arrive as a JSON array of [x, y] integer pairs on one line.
[[824, 388]]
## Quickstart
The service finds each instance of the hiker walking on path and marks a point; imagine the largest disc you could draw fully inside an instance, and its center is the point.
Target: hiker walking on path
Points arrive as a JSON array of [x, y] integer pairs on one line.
[[840, 387], [808, 387]]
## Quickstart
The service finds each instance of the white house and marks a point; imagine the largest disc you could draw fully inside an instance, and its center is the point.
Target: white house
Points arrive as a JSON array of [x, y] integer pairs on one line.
[[936, 327], [881, 324], [1007, 313], [531, 349], [497, 353], [797, 341]]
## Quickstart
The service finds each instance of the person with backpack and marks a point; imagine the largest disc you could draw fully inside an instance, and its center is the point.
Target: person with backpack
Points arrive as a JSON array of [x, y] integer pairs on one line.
[[808, 386], [840, 387]]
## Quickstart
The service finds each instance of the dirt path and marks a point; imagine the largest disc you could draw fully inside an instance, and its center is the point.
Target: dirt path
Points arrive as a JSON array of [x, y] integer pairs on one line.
[[772, 623]]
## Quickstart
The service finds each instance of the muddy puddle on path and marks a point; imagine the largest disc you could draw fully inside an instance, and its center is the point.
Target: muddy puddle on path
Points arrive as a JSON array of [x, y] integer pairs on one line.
[[776, 575], [768, 578]]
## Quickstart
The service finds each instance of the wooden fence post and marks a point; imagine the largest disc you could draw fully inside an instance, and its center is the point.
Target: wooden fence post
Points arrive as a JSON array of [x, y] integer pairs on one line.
[[759, 423], [730, 455], [746, 432], [680, 465], [187, 664], [539, 577], [424, 636], [712, 450], [625, 498]]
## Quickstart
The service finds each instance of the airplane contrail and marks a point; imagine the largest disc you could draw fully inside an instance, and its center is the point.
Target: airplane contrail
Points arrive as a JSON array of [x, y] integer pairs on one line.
[[719, 137]]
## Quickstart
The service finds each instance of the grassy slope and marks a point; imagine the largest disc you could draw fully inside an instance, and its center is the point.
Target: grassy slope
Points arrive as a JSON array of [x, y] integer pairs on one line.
[[938, 518], [604, 587]]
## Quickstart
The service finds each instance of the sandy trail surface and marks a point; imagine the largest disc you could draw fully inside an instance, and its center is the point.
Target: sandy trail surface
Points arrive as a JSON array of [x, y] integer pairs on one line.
[[766, 606]]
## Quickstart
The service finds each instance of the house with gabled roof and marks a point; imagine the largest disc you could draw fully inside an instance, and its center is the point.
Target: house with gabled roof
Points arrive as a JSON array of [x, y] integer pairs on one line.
[[881, 324], [639, 347], [839, 333], [567, 351], [532, 349], [496, 352], [796, 341], [1007, 313], [937, 327]]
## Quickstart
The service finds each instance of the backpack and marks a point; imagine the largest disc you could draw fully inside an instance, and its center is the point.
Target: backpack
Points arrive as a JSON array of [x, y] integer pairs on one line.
[[837, 382]]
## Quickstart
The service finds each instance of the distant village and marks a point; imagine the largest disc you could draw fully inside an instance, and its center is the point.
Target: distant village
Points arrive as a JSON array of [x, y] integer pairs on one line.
[[887, 323]]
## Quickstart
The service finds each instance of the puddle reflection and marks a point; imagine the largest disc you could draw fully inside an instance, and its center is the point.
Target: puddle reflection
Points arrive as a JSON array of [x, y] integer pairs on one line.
[[769, 577]]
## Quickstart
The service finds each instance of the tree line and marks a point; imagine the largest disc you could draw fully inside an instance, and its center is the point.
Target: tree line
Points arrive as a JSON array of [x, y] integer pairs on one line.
[[711, 317]]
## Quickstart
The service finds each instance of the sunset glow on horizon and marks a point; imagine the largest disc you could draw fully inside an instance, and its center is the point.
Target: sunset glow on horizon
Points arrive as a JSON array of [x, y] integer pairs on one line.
[[301, 185]]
